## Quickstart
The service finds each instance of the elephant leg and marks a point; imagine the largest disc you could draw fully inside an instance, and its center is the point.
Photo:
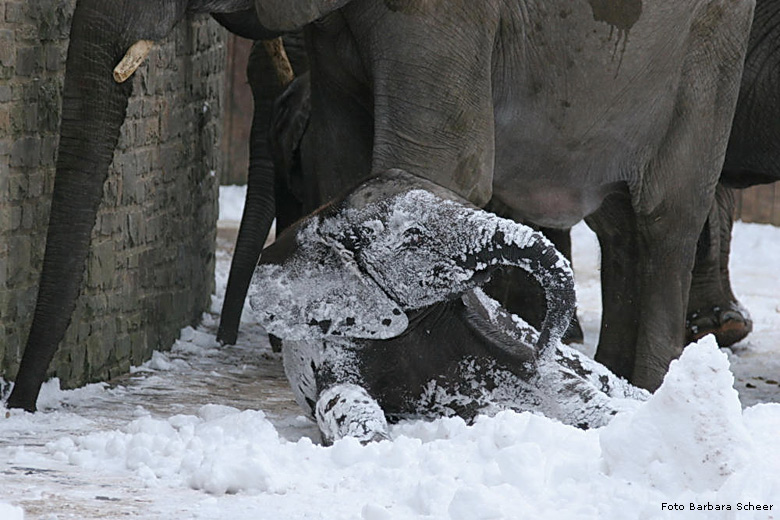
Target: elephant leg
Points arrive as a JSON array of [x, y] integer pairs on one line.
[[712, 306], [677, 192], [665, 264], [347, 410], [614, 224], [443, 135]]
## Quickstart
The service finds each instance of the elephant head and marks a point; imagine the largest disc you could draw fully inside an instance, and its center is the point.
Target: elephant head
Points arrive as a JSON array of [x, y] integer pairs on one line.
[[397, 243], [104, 51]]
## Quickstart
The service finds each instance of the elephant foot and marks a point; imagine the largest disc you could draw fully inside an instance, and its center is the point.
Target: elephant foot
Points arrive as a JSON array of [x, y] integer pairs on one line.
[[227, 335], [574, 333], [729, 325], [23, 398]]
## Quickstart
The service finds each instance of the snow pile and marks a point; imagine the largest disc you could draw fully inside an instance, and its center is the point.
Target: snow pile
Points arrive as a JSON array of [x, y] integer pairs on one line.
[[56, 464], [220, 451], [689, 442], [692, 430], [9, 512]]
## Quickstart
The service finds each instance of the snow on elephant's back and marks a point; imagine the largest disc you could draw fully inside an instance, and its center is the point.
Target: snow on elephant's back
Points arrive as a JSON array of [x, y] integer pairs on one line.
[[689, 434]]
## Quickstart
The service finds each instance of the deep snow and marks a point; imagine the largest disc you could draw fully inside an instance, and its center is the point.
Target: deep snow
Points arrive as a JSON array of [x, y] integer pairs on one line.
[[213, 432]]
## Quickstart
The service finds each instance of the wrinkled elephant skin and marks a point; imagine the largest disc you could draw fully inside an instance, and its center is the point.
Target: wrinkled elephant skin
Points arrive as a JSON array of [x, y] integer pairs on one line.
[[556, 110]]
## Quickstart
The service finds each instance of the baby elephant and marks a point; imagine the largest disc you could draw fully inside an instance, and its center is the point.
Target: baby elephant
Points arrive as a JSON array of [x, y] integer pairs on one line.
[[376, 299]]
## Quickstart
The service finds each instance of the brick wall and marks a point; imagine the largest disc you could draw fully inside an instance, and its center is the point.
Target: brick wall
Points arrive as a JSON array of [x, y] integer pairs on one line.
[[759, 204], [150, 269]]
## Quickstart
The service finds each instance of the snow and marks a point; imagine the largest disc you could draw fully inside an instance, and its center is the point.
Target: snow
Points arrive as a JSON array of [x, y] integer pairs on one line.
[[213, 432], [231, 205]]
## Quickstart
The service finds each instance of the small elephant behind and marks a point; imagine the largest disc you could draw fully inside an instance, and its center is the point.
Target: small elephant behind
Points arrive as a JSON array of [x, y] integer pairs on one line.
[[376, 298]]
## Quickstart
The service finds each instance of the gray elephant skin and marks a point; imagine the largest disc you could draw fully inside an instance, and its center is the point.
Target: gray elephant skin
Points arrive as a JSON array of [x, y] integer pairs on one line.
[[555, 109], [376, 300], [752, 157], [625, 149]]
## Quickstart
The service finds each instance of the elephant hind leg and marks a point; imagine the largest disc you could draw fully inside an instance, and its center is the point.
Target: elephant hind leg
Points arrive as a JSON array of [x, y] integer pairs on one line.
[[712, 306], [615, 225]]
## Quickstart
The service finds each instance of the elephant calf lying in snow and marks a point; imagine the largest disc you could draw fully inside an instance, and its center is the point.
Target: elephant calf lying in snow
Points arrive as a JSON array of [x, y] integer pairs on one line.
[[377, 302]]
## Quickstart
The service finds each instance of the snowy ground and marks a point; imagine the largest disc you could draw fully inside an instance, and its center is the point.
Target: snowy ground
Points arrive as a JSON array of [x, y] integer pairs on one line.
[[212, 432]]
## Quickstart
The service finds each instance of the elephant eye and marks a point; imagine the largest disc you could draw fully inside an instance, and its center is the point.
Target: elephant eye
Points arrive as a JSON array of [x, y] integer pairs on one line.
[[413, 237]]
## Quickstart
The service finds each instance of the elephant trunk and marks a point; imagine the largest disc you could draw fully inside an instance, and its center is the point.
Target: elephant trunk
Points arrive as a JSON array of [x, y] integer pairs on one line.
[[515, 245], [260, 203], [428, 249], [93, 110]]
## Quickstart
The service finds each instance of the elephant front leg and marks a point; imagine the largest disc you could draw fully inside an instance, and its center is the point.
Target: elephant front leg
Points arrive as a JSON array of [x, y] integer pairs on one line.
[[667, 233], [347, 410], [677, 189]]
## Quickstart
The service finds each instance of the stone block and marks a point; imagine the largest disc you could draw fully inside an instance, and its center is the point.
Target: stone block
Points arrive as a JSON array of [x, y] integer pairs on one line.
[[29, 61], [25, 152], [3, 275], [25, 303], [100, 265], [7, 54], [49, 149], [55, 58], [96, 351], [4, 182], [17, 187], [14, 12], [28, 217], [136, 229], [20, 253]]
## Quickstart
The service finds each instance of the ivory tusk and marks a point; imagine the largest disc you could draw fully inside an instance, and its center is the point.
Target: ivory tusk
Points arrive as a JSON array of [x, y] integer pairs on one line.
[[133, 59], [282, 66]]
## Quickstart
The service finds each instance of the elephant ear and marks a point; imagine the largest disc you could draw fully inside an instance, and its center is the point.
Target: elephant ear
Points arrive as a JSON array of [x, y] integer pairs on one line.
[[319, 291]]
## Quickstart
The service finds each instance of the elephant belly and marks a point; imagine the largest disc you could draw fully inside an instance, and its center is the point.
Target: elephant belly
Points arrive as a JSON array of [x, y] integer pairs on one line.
[[557, 206], [581, 105]]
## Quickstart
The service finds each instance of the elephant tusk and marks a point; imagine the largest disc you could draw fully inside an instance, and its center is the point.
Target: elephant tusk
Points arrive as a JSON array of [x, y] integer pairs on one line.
[[282, 66], [133, 59]]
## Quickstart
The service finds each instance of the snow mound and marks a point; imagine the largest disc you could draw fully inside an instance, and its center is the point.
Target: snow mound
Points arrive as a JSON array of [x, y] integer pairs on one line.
[[53, 397], [9, 512], [689, 434], [689, 443]]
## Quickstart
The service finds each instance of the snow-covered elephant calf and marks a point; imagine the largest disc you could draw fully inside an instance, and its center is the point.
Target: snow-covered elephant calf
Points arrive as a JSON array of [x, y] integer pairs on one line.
[[376, 299]]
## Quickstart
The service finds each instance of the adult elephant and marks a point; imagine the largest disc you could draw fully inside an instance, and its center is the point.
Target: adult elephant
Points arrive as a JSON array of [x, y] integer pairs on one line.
[[105, 33], [556, 111], [752, 158]]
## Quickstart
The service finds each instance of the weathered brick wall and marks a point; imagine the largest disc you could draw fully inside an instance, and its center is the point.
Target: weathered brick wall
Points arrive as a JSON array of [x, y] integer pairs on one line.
[[150, 269]]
